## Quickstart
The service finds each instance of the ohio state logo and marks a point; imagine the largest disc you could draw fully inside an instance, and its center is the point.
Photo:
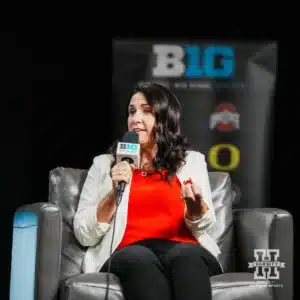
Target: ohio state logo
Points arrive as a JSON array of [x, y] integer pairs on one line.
[[225, 118]]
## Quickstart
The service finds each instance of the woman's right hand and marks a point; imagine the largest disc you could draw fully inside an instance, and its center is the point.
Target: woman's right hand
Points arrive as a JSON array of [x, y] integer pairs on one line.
[[122, 171], [106, 208]]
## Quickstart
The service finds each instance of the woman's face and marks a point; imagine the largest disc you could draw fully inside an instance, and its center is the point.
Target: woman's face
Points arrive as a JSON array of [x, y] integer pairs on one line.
[[141, 119]]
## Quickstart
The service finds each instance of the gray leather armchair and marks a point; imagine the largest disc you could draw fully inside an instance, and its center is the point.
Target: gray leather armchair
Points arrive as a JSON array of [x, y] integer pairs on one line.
[[58, 256]]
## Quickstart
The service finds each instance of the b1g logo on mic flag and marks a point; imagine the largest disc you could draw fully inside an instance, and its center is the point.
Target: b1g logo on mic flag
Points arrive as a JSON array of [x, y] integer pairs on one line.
[[128, 147], [193, 61], [226, 118], [129, 150]]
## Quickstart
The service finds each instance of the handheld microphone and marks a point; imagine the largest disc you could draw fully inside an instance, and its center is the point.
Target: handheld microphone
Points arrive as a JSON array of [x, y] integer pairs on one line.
[[127, 150]]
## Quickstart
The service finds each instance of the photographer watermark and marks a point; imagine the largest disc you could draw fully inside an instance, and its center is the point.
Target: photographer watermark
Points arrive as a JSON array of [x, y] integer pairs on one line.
[[267, 265]]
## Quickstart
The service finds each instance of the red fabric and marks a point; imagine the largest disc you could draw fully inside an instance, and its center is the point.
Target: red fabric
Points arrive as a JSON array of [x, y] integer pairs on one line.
[[155, 210]]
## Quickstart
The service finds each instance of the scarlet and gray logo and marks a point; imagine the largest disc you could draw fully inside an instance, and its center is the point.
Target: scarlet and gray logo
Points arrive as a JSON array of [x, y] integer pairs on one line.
[[226, 118]]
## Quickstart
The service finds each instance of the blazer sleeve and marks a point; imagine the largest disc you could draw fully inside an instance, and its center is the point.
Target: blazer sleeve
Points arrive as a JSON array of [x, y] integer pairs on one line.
[[199, 175], [86, 228]]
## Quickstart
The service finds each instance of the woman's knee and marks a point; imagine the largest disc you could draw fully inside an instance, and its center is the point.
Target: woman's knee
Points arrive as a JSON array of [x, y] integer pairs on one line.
[[193, 256], [135, 257]]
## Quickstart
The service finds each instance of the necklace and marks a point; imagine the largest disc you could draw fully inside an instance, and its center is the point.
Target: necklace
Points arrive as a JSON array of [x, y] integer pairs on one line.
[[147, 169], [145, 173]]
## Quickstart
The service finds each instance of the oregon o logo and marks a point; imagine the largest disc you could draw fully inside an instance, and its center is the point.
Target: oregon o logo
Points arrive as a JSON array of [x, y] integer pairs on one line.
[[213, 157]]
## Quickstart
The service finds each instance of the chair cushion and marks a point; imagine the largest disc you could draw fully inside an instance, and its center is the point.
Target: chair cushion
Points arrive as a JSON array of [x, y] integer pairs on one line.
[[224, 287], [65, 185], [240, 286]]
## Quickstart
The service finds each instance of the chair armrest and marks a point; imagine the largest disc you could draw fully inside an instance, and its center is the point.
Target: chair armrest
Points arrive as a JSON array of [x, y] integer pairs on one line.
[[90, 286], [266, 228], [239, 285], [36, 251]]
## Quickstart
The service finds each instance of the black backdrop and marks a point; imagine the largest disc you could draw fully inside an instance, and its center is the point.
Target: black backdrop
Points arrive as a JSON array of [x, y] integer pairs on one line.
[[246, 89], [55, 94]]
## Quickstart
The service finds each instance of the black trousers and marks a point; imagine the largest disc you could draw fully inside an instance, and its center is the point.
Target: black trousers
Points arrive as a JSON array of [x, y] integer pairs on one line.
[[164, 270]]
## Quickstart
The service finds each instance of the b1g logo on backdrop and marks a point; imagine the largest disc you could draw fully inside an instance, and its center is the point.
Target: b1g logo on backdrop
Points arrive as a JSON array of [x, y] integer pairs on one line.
[[193, 61]]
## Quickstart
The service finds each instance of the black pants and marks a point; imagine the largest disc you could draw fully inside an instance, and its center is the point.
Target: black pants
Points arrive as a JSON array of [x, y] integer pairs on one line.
[[164, 270]]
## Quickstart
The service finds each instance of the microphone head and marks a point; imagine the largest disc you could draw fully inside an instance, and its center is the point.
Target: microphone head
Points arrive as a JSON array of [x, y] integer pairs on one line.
[[131, 137], [129, 149]]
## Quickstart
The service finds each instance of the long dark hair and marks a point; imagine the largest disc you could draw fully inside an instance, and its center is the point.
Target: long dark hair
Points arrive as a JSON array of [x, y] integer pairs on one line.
[[171, 143]]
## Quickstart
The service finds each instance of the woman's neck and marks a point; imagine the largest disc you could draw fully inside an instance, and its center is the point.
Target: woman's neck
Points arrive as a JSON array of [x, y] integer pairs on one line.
[[147, 156]]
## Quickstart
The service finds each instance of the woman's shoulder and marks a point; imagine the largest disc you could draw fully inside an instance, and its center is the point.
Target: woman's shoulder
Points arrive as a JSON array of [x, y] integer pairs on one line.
[[103, 160], [191, 155], [193, 161]]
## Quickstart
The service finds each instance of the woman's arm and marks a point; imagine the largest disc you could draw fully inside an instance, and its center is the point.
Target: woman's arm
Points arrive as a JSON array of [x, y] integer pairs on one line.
[[206, 216], [96, 204], [106, 208]]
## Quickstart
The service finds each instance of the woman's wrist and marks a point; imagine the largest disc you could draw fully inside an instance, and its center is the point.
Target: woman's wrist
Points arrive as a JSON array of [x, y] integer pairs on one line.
[[193, 215], [106, 207]]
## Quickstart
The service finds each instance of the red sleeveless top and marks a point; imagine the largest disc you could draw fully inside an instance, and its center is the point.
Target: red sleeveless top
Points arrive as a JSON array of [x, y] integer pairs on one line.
[[155, 210]]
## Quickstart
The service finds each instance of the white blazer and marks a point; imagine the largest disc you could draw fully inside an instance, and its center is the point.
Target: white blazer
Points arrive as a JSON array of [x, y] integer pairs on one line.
[[98, 235]]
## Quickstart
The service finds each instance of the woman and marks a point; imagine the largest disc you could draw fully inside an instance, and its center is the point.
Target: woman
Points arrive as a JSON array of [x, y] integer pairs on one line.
[[161, 247]]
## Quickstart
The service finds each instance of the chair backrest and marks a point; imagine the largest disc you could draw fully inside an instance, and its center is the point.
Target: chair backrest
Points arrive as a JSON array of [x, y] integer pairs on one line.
[[65, 186]]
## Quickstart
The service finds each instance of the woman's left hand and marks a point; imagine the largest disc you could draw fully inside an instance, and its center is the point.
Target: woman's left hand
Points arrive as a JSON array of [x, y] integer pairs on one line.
[[193, 197]]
